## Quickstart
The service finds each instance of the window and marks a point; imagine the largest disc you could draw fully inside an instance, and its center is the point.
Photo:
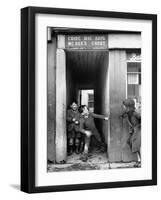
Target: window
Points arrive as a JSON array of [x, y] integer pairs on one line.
[[87, 98], [91, 101], [134, 77]]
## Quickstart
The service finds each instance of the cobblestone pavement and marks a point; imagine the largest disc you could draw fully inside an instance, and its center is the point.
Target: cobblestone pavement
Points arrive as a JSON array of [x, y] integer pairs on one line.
[[96, 161]]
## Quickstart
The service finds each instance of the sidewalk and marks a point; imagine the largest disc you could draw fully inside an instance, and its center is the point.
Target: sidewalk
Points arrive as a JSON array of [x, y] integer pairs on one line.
[[96, 161]]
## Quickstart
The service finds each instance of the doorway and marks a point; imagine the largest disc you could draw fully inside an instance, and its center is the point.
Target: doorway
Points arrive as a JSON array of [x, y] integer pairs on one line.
[[87, 83], [86, 97]]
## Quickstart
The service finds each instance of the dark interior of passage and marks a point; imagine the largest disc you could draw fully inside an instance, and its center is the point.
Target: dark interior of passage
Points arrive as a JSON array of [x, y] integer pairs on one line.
[[89, 70]]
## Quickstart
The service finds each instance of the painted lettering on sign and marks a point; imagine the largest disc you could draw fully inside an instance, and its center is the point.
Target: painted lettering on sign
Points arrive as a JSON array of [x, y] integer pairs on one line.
[[86, 41]]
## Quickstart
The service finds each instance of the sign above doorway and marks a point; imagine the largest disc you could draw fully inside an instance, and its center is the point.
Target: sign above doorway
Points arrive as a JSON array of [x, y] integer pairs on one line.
[[82, 41]]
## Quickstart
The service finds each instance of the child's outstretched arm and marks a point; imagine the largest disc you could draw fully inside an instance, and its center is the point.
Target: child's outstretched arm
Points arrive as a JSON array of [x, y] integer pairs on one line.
[[98, 116]]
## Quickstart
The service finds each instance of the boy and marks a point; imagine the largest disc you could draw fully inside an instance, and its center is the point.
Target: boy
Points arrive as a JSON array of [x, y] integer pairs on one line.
[[87, 127], [73, 134]]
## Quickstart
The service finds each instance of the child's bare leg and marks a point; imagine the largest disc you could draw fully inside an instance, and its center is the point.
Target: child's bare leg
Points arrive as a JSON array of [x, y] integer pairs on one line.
[[81, 146], [86, 148], [139, 156], [138, 163], [70, 145], [77, 145]]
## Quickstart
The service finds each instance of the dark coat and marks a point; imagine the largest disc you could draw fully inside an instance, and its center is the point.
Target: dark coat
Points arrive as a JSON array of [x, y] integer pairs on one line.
[[134, 120], [72, 126], [88, 124]]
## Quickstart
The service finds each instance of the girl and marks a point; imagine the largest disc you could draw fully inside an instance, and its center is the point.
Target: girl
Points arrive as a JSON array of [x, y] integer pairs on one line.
[[134, 121]]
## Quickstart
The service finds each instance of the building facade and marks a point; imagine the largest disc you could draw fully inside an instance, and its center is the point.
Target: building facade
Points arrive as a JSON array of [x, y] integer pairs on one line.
[[109, 63]]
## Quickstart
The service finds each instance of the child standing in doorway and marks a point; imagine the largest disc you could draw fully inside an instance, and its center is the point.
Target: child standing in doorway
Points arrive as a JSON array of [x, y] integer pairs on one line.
[[73, 134], [88, 128]]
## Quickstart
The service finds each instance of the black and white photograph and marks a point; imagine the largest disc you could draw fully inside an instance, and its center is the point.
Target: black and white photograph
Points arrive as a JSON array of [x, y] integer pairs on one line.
[[93, 99], [89, 89]]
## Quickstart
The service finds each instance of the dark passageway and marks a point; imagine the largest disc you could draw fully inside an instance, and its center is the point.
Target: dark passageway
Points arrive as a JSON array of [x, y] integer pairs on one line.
[[89, 70]]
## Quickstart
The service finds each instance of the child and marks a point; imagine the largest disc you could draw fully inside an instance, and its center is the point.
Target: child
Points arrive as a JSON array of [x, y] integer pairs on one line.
[[73, 134], [134, 121], [87, 127]]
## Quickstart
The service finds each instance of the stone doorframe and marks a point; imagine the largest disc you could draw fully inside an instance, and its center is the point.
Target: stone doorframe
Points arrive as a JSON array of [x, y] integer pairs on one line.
[[61, 138]]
